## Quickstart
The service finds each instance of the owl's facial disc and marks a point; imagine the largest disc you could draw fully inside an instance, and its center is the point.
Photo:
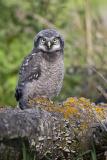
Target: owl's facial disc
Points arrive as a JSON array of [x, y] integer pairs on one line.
[[49, 44]]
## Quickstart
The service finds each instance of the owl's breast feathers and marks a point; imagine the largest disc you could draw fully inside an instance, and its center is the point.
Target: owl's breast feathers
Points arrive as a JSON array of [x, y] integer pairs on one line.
[[50, 80]]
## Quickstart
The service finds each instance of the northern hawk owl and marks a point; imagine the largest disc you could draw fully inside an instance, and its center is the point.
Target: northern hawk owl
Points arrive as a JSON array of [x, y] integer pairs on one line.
[[42, 71]]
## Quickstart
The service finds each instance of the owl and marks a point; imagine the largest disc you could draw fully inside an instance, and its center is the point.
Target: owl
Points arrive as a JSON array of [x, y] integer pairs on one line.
[[42, 71]]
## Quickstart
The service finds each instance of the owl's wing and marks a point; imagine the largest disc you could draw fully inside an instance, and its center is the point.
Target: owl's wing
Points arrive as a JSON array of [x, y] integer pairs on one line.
[[29, 71], [18, 91]]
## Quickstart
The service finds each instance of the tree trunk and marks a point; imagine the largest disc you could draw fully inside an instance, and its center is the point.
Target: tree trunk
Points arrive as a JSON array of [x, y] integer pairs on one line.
[[39, 134]]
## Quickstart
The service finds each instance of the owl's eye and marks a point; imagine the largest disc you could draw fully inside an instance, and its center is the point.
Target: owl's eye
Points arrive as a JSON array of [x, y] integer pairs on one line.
[[43, 40], [55, 40]]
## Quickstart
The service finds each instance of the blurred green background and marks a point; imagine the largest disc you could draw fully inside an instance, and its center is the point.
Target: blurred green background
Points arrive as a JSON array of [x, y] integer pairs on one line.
[[83, 23]]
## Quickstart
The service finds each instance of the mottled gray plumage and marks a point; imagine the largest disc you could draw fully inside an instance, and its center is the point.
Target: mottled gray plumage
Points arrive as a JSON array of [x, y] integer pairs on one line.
[[42, 71]]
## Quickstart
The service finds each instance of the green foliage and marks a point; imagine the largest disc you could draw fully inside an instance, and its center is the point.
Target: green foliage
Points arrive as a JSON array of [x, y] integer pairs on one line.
[[21, 20], [25, 153]]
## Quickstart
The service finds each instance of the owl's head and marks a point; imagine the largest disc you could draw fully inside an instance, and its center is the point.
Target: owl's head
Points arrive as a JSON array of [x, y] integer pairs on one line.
[[49, 41]]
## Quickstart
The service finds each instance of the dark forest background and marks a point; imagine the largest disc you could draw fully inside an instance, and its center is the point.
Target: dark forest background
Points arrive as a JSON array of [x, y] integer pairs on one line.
[[83, 23]]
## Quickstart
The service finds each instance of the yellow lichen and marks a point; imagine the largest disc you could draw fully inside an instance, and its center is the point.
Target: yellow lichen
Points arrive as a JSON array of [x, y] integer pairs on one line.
[[67, 111], [80, 109]]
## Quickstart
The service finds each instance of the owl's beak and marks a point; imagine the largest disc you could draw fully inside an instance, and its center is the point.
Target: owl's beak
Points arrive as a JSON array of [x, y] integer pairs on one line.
[[49, 44]]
